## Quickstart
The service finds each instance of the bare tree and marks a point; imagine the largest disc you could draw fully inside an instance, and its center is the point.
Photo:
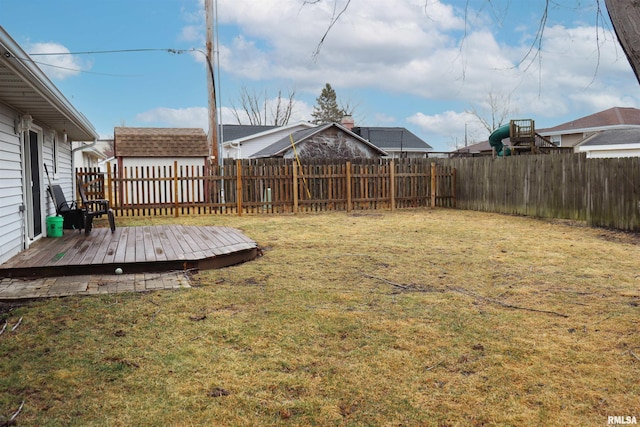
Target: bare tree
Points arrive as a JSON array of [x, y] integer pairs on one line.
[[257, 109], [495, 114], [109, 149]]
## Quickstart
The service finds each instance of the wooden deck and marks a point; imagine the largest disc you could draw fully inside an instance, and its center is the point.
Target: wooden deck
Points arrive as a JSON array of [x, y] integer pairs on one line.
[[134, 249]]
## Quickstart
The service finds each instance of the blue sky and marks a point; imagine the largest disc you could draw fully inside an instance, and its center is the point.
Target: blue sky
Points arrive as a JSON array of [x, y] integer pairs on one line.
[[422, 64]]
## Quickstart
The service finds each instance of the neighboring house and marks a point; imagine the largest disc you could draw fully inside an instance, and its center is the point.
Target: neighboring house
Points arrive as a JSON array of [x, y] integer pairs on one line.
[[573, 133], [89, 155], [160, 147], [37, 125], [330, 140], [398, 142], [612, 143], [243, 141]]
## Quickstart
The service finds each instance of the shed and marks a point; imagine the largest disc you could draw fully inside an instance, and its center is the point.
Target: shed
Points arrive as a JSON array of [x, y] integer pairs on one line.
[[143, 147]]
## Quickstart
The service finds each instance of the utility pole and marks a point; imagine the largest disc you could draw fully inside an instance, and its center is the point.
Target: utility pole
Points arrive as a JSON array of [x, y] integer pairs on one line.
[[212, 136], [465, 134]]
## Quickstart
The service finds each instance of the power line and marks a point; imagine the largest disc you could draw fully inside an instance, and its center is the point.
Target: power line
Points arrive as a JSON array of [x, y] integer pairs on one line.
[[168, 50], [79, 71], [95, 52]]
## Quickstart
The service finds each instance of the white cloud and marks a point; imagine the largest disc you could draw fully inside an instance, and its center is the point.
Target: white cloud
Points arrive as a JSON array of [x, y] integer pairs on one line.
[[198, 117], [451, 127], [432, 51], [192, 33], [383, 119], [301, 111], [406, 47], [56, 66]]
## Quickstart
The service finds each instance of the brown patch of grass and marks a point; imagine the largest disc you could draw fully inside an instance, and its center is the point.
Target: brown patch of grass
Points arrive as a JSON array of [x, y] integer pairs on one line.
[[415, 317]]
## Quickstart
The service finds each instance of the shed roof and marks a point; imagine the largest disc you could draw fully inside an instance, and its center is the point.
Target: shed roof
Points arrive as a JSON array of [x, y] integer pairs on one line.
[[160, 142]]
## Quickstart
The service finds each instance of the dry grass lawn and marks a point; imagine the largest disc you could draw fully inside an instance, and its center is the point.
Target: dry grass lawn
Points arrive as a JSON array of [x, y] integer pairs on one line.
[[415, 317]]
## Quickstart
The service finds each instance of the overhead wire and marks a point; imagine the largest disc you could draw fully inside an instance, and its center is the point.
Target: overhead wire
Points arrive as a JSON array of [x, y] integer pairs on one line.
[[97, 52]]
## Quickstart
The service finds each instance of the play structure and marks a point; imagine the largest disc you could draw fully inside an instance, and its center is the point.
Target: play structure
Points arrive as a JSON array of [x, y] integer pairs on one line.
[[523, 137]]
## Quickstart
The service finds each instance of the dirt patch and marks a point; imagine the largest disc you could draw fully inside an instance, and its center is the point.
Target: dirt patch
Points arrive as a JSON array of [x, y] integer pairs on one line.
[[8, 307], [617, 236]]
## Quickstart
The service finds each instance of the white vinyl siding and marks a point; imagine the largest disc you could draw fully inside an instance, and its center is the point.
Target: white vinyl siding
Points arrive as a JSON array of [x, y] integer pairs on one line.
[[11, 228], [12, 218]]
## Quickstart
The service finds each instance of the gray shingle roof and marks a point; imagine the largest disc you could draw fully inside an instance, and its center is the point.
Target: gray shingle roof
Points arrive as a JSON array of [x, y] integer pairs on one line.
[[392, 138], [614, 137], [233, 132]]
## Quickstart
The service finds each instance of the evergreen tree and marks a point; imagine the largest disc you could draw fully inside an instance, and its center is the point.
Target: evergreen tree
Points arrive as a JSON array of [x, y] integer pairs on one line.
[[326, 109]]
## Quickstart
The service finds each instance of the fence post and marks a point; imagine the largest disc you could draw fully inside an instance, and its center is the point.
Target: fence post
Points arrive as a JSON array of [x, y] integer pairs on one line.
[[433, 185], [348, 186], [109, 186], [392, 184], [239, 186], [453, 187], [295, 187], [175, 189]]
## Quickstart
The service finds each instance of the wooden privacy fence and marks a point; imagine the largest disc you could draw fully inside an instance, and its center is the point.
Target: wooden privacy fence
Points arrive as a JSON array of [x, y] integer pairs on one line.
[[277, 186], [603, 192]]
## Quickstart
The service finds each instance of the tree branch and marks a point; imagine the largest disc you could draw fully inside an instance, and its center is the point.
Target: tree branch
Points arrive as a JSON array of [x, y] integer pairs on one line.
[[495, 301]]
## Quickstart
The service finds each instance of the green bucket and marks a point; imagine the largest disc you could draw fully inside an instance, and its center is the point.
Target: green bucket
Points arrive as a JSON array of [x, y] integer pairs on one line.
[[54, 226]]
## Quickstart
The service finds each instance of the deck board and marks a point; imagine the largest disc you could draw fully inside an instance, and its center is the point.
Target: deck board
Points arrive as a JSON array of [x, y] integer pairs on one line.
[[121, 251], [135, 249]]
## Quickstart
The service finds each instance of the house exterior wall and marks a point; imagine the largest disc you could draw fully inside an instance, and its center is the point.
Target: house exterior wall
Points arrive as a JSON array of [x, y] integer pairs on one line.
[[252, 145], [85, 159], [11, 193], [571, 140], [64, 168], [613, 151], [568, 139], [13, 219]]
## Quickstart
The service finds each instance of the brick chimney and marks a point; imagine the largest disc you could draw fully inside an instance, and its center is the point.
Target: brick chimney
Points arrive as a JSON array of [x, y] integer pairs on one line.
[[347, 121]]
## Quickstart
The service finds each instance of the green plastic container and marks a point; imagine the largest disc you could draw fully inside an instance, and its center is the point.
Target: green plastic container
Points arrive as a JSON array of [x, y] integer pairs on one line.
[[54, 226]]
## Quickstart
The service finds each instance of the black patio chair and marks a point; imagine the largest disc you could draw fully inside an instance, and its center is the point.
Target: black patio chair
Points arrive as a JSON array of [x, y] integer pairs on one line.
[[72, 216], [93, 208]]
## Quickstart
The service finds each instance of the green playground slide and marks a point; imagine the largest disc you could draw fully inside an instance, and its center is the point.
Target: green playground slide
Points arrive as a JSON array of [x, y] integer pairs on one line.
[[496, 137]]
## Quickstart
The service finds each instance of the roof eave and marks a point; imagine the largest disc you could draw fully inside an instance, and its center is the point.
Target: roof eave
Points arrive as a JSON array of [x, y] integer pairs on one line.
[[41, 84]]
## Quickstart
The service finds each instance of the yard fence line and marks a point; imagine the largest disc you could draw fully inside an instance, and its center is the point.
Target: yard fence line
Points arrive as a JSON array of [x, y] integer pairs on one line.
[[272, 186], [603, 192]]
